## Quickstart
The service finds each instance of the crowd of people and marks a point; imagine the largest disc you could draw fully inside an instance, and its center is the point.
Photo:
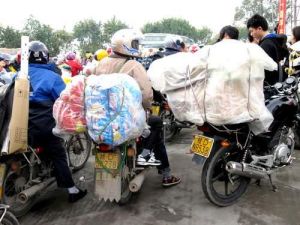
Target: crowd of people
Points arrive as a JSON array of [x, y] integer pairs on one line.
[[48, 78]]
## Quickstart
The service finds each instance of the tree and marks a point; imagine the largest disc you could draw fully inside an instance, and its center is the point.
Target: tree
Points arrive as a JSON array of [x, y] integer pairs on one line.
[[180, 27], [88, 33], [243, 33], [110, 27], [42, 32], [10, 38], [266, 8], [61, 40]]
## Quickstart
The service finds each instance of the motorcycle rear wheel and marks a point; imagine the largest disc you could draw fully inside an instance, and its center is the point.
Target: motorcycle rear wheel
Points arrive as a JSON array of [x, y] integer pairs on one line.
[[13, 184], [8, 219], [214, 171]]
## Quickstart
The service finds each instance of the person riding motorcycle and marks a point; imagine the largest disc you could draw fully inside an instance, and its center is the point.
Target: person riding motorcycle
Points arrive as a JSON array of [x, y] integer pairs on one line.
[[71, 60], [125, 48], [45, 88]]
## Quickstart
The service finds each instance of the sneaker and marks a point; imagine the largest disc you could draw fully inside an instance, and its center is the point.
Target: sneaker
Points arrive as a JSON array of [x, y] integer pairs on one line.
[[75, 197], [171, 181], [148, 160]]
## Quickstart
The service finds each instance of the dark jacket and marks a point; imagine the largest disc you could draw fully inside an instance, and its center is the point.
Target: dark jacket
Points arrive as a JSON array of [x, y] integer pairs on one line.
[[274, 46]]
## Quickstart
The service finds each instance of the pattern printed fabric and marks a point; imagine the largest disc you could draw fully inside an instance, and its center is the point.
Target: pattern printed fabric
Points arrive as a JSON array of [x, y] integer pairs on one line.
[[114, 111]]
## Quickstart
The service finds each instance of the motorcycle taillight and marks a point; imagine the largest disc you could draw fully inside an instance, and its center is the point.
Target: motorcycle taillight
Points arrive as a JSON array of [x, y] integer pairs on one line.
[[104, 147], [39, 150]]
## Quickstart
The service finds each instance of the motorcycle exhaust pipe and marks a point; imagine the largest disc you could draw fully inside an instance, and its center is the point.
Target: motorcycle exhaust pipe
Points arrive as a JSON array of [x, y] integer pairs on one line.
[[137, 182], [25, 195], [246, 170]]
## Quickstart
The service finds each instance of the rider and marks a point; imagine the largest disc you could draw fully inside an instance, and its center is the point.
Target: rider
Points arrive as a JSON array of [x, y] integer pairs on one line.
[[273, 44], [45, 88], [76, 67], [125, 45], [174, 44]]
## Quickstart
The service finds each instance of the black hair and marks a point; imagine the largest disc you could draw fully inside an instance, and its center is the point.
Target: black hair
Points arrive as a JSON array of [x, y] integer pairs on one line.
[[231, 31], [258, 21], [296, 33]]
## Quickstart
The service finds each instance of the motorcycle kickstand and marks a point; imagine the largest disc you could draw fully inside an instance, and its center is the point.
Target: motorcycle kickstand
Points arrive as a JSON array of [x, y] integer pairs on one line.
[[274, 188]]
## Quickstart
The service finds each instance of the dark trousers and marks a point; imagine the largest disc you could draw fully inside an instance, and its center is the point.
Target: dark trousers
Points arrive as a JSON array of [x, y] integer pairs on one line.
[[155, 141], [55, 151]]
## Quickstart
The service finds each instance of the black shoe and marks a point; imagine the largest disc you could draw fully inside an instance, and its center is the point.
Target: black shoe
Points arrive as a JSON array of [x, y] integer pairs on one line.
[[75, 197]]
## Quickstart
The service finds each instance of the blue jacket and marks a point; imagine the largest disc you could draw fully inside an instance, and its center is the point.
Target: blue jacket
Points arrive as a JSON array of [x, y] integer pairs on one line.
[[45, 88], [46, 85]]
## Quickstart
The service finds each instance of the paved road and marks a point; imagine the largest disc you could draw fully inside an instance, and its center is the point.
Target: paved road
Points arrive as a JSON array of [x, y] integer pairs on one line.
[[184, 204]]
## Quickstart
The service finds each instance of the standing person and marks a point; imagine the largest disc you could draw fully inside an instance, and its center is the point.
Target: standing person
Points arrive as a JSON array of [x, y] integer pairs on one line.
[[71, 60], [228, 32], [46, 87], [125, 47], [274, 45]]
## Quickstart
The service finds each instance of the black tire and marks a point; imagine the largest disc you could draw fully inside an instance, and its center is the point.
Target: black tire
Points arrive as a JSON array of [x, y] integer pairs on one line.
[[126, 194], [170, 128], [297, 138], [13, 184], [78, 149], [9, 218], [214, 170]]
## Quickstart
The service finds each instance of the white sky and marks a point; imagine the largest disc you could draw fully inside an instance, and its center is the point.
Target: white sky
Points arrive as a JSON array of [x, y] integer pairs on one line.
[[61, 14]]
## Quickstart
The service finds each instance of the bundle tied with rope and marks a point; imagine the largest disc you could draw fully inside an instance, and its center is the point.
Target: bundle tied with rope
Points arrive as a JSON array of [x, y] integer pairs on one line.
[[221, 85], [114, 111]]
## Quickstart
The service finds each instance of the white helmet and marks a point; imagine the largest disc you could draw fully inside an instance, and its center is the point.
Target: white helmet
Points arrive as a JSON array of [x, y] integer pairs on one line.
[[126, 42]]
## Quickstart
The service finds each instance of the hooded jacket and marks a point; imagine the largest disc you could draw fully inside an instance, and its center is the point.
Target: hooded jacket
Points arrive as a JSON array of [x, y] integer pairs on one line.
[[273, 45], [118, 64]]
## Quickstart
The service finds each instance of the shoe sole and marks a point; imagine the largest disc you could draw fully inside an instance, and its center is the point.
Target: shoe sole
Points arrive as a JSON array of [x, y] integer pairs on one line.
[[171, 184], [147, 164]]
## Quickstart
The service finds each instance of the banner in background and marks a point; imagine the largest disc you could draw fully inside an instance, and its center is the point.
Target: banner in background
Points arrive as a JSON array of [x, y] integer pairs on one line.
[[282, 17]]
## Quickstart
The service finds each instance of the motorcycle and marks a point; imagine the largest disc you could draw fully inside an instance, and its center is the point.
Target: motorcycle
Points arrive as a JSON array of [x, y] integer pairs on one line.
[[232, 155], [117, 176], [172, 126], [24, 176]]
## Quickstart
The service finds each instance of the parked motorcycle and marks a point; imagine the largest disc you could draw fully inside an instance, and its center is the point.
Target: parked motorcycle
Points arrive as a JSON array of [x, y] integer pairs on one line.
[[117, 176], [232, 155]]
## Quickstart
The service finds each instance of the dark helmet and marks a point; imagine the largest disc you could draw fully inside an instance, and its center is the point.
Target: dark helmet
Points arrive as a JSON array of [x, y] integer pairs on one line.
[[38, 53]]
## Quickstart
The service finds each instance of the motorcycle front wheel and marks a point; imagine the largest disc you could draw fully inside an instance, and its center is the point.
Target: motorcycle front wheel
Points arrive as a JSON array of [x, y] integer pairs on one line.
[[220, 187], [14, 183]]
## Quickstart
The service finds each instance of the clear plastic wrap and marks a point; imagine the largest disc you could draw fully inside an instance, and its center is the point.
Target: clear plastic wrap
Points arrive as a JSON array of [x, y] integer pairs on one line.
[[114, 109], [68, 109], [225, 86]]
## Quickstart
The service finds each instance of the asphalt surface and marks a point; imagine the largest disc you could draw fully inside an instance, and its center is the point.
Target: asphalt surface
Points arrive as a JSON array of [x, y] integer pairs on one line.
[[184, 204]]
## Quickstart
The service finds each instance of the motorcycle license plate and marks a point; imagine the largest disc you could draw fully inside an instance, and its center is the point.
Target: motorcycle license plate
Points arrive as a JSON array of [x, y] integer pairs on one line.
[[202, 145], [155, 110], [107, 161]]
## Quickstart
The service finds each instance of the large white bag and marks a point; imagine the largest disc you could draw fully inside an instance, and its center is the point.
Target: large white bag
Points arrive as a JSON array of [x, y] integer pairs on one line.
[[222, 84]]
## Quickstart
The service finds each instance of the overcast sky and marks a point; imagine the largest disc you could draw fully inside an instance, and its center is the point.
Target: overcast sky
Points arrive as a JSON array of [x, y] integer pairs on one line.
[[61, 14]]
